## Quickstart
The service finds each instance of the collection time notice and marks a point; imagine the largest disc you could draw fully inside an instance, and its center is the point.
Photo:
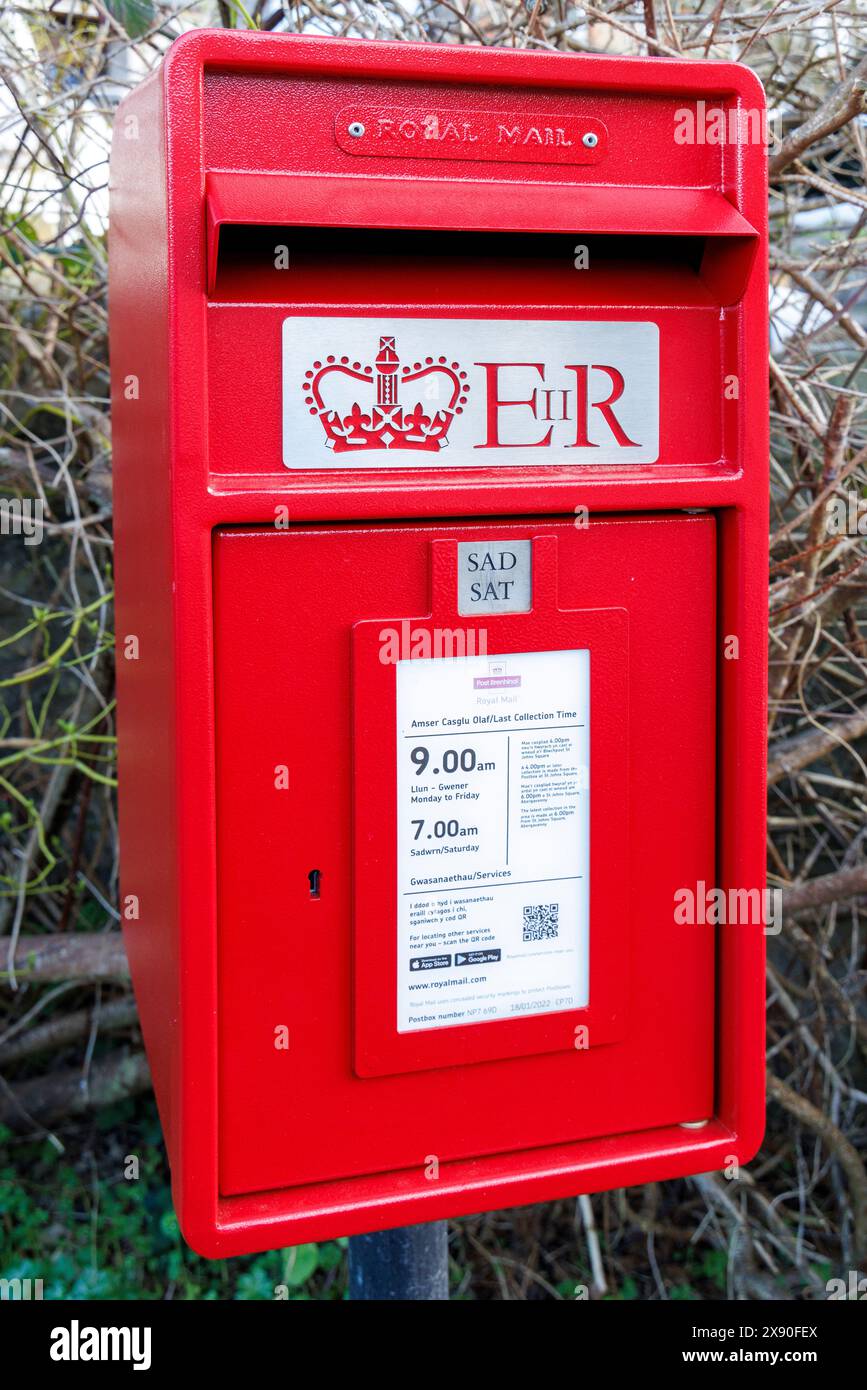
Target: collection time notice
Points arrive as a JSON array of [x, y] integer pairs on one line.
[[493, 782]]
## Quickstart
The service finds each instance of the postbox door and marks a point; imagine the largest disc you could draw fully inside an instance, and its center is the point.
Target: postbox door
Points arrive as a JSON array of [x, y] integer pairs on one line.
[[329, 1066]]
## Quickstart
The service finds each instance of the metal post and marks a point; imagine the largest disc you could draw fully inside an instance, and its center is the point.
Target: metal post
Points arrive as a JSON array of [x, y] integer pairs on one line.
[[408, 1263]]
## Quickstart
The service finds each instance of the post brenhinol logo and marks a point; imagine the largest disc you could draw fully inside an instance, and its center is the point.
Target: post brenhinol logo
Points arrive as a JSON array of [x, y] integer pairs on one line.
[[499, 677], [421, 393], [388, 422]]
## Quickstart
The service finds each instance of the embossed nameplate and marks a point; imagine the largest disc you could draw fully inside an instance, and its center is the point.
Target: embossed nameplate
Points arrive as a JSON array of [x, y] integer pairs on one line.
[[529, 137]]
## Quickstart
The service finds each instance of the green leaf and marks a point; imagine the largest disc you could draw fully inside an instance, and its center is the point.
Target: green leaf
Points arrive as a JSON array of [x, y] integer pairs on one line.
[[136, 16], [330, 1255], [714, 1266], [301, 1262], [169, 1224]]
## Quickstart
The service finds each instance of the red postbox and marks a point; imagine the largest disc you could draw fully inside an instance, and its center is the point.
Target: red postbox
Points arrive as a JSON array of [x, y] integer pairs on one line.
[[440, 430]]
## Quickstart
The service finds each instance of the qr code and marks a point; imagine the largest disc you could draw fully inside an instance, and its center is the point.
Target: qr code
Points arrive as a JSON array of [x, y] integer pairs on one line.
[[541, 921]]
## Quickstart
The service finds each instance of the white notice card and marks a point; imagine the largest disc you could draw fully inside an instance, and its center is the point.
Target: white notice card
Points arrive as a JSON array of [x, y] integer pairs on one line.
[[493, 837]]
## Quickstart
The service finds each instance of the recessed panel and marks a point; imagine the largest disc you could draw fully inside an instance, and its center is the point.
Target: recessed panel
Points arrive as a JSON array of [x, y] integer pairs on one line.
[[296, 751]]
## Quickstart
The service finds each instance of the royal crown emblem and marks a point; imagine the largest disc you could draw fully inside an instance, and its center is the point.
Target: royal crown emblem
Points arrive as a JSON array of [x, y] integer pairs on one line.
[[387, 422]]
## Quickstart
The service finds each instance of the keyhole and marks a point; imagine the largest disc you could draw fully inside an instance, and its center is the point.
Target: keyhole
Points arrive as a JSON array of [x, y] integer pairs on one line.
[[313, 879]]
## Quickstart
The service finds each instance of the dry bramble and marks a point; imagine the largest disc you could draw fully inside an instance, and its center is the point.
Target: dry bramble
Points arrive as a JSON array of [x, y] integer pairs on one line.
[[65, 1012]]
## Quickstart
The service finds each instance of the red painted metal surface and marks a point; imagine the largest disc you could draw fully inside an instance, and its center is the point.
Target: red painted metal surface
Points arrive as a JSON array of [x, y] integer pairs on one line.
[[246, 631], [243, 199], [650, 1060]]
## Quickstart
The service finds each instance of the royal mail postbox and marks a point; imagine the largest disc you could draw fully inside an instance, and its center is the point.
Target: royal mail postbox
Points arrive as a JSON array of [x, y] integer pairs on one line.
[[440, 431]]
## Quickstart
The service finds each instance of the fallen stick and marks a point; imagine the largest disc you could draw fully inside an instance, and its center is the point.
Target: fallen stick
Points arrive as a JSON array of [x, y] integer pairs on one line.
[[70, 956], [802, 750], [66, 1028], [48, 1098], [828, 888]]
